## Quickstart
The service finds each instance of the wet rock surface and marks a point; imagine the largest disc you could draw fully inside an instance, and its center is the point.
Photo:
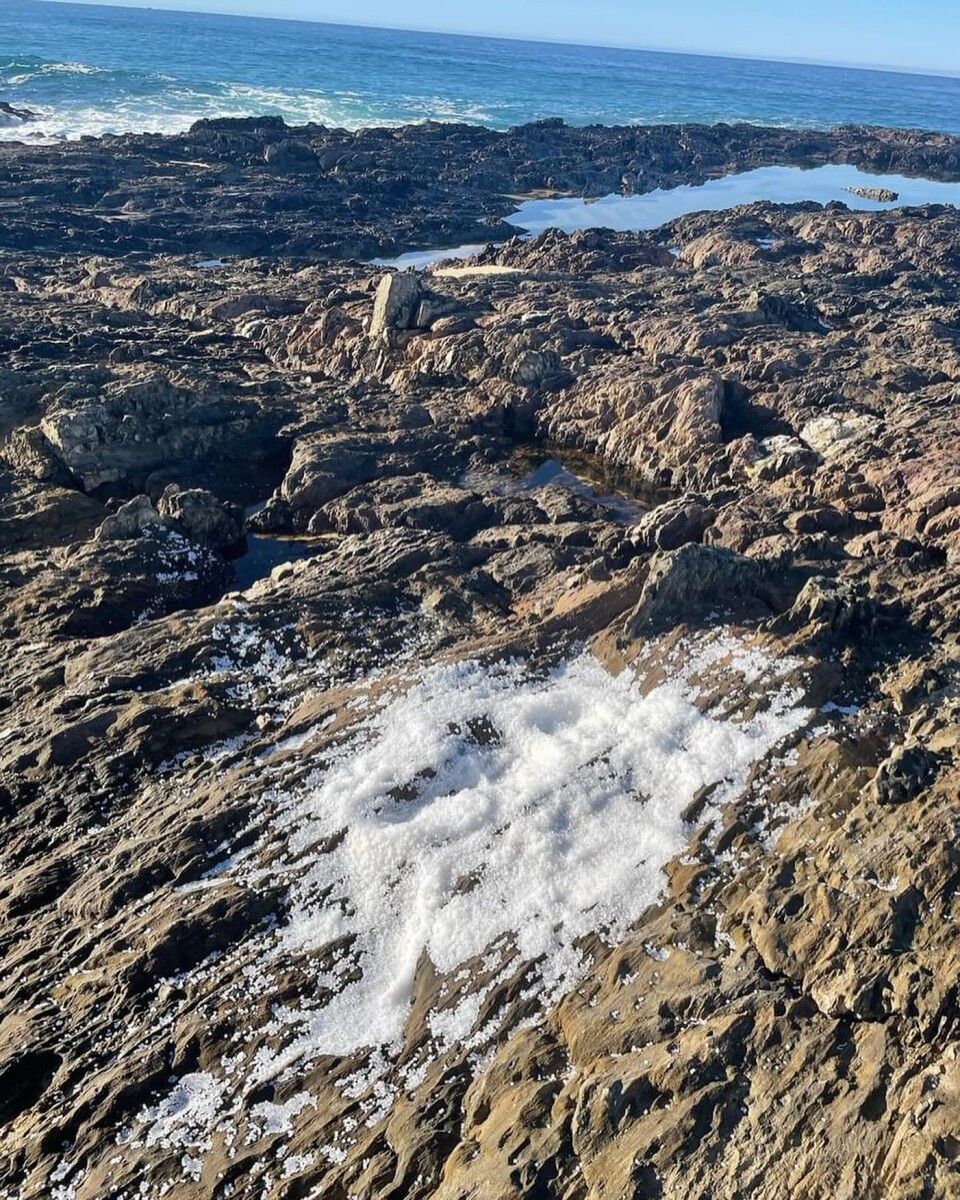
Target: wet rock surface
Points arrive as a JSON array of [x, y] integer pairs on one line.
[[258, 186], [12, 116], [772, 636]]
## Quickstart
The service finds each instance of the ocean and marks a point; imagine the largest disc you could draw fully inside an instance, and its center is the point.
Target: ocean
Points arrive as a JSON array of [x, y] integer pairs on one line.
[[93, 70]]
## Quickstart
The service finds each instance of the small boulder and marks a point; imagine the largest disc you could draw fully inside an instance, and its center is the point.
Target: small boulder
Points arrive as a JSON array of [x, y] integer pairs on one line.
[[696, 580], [832, 433], [879, 195], [902, 776], [134, 519], [202, 517], [290, 155], [396, 303], [672, 525], [834, 606], [536, 369], [276, 516], [823, 519], [780, 455], [799, 316]]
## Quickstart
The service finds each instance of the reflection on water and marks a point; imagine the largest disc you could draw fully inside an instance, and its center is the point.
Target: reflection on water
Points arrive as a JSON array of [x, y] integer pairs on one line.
[[778, 185], [258, 555], [532, 467], [422, 260], [550, 471]]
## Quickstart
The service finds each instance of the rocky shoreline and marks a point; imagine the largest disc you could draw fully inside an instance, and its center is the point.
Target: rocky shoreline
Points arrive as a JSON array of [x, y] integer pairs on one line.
[[737, 611], [258, 187]]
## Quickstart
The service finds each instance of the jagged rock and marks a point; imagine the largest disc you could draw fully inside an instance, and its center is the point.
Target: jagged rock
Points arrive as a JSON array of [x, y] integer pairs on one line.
[[686, 584], [396, 303], [33, 516], [718, 249], [413, 502], [140, 571], [29, 452], [137, 426], [537, 369], [290, 155], [798, 973], [797, 317], [671, 525], [780, 455], [585, 251], [904, 775], [276, 516], [201, 516], [833, 433], [825, 519], [839, 607], [881, 544], [131, 520], [377, 193]]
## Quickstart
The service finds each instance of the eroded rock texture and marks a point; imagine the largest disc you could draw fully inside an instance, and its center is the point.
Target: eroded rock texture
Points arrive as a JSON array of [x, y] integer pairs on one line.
[[758, 542]]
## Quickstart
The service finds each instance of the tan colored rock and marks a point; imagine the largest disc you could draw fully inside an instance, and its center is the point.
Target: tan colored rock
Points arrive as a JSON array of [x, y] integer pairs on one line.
[[396, 302]]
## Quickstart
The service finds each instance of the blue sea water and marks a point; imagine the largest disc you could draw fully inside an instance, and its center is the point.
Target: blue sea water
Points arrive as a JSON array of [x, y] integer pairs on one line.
[[92, 69]]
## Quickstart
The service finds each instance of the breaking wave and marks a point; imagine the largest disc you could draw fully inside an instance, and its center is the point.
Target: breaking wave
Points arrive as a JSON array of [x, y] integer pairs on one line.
[[74, 99], [93, 71]]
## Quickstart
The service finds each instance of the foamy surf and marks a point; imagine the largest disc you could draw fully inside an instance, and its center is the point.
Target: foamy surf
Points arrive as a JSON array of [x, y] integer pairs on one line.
[[96, 70]]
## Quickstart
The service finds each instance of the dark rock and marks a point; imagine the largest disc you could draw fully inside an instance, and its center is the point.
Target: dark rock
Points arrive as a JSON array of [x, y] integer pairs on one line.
[[904, 775], [290, 155], [132, 520], [687, 584], [10, 116], [200, 516]]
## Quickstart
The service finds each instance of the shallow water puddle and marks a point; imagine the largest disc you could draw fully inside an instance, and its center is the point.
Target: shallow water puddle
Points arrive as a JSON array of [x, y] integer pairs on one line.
[[553, 472], [261, 555], [422, 260], [532, 467], [585, 475], [778, 185]]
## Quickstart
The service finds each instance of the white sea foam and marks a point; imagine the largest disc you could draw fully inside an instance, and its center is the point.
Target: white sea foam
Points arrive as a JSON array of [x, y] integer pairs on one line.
[[487, 817], [487, 803], [186, 1114], [123, 101]]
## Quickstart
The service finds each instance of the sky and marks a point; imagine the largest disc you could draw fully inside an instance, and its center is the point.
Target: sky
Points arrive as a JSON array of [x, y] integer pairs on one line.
[[911, 34]]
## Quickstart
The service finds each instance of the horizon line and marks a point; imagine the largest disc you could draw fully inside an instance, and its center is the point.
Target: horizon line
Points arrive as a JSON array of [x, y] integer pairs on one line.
[[830, 65]]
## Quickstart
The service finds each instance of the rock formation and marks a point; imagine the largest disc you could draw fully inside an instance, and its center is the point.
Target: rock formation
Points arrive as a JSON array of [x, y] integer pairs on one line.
[[11, 116], [881, 195], [731, 651]]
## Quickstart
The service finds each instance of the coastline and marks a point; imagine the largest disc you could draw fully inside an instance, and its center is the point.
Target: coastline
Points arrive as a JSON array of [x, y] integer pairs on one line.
[[92, 70], [715, 722], [315, 192]]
